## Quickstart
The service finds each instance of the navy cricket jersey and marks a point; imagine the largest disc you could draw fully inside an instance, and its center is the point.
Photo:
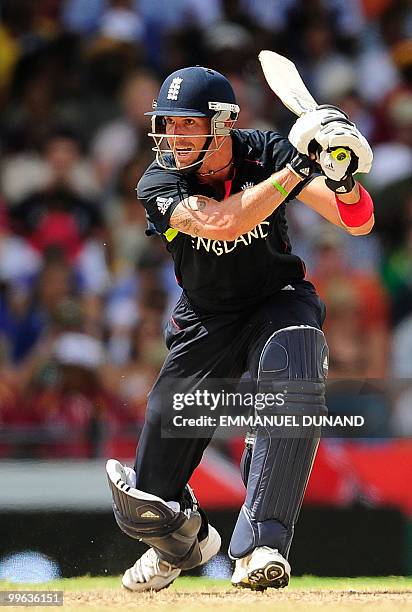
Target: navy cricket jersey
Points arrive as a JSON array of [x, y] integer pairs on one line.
[[220, 275]]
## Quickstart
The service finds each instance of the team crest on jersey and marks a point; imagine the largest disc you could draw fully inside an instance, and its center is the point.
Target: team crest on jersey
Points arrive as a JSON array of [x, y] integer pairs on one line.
[[163, 204], [247, 185], [174, 88]]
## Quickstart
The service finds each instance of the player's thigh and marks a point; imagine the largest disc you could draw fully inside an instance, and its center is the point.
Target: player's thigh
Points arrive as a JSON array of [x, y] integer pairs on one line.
[[204, 350], [300, 306], [204, 354]]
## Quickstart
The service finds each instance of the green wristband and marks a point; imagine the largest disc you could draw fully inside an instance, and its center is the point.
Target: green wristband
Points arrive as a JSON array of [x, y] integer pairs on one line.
[[279, 188]]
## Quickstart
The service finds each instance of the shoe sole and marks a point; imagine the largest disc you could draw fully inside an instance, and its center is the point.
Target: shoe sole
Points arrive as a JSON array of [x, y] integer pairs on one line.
[[272, 575], [147, 590]]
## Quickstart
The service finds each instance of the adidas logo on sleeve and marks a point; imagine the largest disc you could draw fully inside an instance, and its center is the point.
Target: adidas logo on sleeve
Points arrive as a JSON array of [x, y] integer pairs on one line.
[[163, 204]]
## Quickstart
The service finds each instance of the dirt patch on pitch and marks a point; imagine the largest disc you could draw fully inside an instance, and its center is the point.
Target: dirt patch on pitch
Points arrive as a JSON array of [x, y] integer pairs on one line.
[[234, 600]]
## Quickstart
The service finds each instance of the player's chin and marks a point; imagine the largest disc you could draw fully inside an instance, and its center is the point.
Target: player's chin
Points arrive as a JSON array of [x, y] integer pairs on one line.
[[184, 159]]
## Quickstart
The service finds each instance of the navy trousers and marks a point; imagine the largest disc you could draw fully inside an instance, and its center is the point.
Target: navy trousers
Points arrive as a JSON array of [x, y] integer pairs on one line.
[[205, 346]]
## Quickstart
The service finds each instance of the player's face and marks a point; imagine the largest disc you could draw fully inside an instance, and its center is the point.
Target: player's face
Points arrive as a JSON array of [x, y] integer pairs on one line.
[[187, 137]]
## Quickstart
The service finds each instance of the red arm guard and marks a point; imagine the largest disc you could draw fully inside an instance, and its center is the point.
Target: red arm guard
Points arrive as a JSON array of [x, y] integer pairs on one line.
[[357, 214]]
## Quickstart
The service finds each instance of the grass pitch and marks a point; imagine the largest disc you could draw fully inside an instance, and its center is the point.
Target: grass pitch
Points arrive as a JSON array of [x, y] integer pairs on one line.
[[389, 594]]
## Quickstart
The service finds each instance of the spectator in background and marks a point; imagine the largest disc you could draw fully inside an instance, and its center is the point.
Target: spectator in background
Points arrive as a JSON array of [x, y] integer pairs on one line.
[[60, 164], [132, 381], [357, 319], [64, 390], [101, 67], [397, 271], [357, 329], [60, 215], [118, 141], [132, 298], [18, 261], [228, 47], [375, 55], [121, 21], [393, 158], [28, 315], [82, 16], [26, 123], [327, 70], [126, 220], [88, 64], [401, 372], [396, 103], [393, 131], [393, 213]]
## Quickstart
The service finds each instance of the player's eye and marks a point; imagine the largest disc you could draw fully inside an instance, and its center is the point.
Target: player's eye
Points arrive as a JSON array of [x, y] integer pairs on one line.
[[169, 120], [189, 121]]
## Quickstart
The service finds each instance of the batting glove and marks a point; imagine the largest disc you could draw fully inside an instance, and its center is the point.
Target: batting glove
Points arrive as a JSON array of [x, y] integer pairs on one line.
[[302, 165], [335, 134], [306, 127]]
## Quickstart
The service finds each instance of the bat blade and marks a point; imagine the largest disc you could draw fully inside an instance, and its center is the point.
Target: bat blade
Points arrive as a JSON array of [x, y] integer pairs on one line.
[[284, 79]]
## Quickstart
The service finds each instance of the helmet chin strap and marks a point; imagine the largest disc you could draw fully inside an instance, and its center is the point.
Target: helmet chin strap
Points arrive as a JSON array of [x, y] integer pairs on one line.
[[202, 154], [201, 157], [211, 172]]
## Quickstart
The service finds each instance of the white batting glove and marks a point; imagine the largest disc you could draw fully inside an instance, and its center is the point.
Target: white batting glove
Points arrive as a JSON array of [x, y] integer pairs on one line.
[[336, 134], [307, 126], [334, 168]]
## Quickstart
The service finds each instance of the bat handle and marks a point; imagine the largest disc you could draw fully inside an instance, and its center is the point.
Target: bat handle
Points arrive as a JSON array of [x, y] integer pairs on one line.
[[340, 154]]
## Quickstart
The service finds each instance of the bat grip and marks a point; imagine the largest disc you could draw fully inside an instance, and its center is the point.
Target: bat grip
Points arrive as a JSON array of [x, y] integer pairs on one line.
[[338, 153]]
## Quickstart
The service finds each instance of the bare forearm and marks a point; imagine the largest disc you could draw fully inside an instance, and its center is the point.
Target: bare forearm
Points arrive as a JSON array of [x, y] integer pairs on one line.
[[238, 214], [324, 201], [356, 211], [352, 197], [255, 204]]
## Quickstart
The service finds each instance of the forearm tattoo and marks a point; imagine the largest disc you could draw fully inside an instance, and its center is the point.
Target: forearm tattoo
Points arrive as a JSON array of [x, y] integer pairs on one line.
[[186, 219], [201, 204], [183, 222]]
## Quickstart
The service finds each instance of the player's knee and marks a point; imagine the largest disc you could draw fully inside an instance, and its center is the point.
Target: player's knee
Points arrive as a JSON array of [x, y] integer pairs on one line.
[[296, 352], [294, 364]]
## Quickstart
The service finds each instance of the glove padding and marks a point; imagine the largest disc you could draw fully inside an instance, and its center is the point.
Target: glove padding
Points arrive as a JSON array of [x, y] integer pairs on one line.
[[336, 134], [303, 165], [338, 171], [306, 127], [333, 168]]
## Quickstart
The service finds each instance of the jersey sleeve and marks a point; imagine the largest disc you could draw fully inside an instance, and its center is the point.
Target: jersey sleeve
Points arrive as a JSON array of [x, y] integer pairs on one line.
[[160, 191], [276, 151]]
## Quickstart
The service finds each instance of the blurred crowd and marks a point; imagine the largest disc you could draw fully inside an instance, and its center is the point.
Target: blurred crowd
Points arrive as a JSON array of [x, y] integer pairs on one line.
[[84, 293]]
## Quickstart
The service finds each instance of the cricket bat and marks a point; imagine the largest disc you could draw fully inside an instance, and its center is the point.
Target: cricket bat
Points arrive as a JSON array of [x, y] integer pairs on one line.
[[284, 79]]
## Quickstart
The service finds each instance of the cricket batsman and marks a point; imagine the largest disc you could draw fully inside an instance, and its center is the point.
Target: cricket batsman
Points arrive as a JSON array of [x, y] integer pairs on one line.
[[218, 196]]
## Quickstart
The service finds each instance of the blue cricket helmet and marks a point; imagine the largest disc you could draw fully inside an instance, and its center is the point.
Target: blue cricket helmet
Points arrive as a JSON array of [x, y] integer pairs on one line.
[[194, 92]]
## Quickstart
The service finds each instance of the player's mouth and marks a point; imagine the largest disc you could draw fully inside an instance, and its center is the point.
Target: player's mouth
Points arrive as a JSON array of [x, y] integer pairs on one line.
[[183, 152], [184, 155]]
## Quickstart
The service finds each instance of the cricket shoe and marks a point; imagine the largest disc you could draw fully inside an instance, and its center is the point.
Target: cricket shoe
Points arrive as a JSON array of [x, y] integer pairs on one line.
[[150, 573], [263, 568]]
